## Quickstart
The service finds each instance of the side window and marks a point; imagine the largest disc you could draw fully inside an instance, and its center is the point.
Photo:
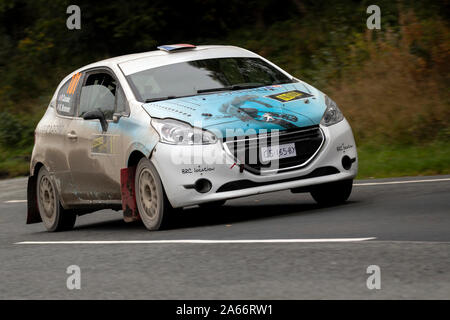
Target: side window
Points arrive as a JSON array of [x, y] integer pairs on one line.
[[65, 101], [98, 93]]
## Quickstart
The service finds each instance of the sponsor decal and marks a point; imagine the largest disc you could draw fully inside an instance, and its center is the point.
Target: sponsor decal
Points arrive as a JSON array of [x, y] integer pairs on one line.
[[63, 108], [63, 98], [343, 147], [63, 103], [198, 169], [103, 144], [290, 96]]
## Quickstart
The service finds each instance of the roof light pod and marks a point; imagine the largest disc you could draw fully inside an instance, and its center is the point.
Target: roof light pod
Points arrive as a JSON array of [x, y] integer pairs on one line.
[[176, 47]]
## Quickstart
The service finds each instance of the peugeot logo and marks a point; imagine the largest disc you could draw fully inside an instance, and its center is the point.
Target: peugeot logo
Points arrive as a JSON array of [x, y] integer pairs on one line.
[[268, 117]]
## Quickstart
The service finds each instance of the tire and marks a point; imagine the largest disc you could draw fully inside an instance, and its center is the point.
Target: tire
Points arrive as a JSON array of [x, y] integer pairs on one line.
[[213, 204], [153, 206], [332, 193], [53, 215]]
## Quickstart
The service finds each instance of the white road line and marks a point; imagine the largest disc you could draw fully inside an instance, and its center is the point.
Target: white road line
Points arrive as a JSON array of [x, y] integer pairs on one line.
[[355, 184], [192, 241], [399, 182]]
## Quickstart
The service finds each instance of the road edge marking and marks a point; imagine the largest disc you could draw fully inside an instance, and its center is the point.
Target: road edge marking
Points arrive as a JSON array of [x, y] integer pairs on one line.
[[198, 241], [398, 182]]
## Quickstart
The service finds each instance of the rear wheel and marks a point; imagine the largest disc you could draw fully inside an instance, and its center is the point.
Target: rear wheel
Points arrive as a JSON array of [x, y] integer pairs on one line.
[[153, 205], [54, 217], [332, 193]]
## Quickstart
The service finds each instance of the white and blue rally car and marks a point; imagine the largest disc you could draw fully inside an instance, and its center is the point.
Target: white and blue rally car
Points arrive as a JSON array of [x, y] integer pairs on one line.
[[184, 125]]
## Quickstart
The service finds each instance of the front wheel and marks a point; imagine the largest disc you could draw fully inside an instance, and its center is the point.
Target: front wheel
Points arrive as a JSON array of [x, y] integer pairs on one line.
[[54, 217], [153, 205], [332, 193]]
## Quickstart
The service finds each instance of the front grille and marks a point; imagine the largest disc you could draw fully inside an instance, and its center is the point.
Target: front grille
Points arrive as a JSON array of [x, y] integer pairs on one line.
[[246, 149]]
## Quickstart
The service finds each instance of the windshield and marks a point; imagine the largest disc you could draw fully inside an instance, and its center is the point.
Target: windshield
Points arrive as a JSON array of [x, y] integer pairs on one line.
[[203, 76]]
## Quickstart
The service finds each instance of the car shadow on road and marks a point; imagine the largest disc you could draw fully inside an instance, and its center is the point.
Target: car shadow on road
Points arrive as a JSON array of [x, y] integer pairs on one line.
[[228, 214]]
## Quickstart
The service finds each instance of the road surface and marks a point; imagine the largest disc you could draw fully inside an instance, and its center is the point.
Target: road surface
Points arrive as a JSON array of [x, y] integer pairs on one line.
[[273, 246]]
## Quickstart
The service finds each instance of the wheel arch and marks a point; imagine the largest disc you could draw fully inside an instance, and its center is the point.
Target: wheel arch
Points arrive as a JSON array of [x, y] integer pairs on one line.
[[134, 157], [127, 187], [37, 166]]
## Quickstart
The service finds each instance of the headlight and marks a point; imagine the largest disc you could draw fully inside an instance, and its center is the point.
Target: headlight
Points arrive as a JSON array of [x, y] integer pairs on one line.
[[332, 114], [177, 132]]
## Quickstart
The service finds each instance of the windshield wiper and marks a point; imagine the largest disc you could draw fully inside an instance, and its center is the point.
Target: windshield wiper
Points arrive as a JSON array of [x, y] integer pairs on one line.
[[214, 90], [233, 87], [167, 98], [160, 98]]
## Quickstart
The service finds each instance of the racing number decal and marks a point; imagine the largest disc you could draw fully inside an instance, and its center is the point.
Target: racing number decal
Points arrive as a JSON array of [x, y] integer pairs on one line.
[[290, 96]]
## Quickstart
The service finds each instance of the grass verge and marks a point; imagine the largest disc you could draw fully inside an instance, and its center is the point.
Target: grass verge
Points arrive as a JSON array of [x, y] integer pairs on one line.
[[383, 161]]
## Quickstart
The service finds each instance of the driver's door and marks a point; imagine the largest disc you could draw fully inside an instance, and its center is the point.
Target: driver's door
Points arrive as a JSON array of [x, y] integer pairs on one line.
[[94, 156]]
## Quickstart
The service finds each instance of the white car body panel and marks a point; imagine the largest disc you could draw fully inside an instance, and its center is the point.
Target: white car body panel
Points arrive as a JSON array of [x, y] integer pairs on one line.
[[145, 140]]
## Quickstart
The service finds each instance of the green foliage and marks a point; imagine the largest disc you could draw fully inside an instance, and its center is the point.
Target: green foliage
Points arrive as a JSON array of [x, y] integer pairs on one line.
[[10, 130], [17, 130], [392, 84]]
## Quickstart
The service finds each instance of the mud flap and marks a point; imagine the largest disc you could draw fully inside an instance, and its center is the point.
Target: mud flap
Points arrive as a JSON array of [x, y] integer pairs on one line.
[[33, 215], [129, 207]]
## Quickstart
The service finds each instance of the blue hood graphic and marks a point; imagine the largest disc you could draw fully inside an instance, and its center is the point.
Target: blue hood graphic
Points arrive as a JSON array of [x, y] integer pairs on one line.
[[246, 109]]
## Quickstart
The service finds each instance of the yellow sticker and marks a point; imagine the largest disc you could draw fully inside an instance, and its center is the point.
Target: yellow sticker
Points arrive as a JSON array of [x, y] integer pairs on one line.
[[103, 144], [290, 95]]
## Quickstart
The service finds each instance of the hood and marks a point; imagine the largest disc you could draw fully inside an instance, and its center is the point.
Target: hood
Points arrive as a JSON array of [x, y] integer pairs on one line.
[[279, 107]]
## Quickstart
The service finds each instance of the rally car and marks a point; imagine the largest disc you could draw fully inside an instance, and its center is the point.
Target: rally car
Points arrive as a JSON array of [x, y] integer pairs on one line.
[[179, 126]]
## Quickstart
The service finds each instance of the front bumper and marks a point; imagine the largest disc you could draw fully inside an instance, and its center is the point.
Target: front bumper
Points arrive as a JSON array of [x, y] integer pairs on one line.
[[229, 181]]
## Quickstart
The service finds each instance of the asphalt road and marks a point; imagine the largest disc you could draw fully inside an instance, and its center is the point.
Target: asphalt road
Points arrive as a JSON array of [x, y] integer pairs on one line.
[[408, 223]]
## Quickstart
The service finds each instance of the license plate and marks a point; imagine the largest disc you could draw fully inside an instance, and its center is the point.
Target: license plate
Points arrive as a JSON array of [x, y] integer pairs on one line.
[[278, 152]]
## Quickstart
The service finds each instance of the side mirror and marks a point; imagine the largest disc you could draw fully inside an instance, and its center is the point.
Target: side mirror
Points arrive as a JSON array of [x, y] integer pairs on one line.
[[116, 117], [97, 114]]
